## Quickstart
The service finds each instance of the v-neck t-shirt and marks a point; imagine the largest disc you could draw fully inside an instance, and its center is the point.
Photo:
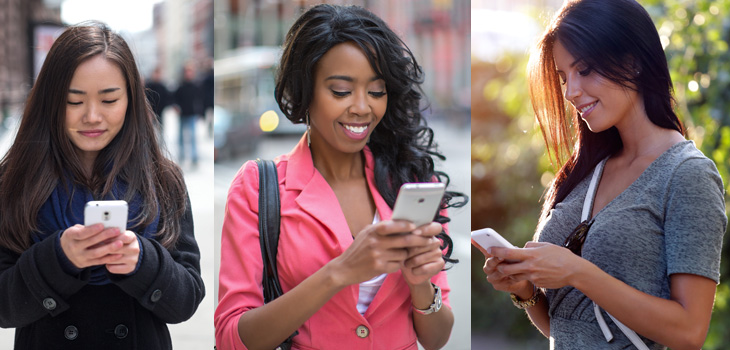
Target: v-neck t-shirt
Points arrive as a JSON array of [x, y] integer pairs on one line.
[[670, 220]]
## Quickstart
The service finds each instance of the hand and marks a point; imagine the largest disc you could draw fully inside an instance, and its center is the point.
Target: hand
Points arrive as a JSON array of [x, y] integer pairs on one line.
[[499, 280], [129, 251], [91, 245], [544, 264], [377, 249], [425, 261]]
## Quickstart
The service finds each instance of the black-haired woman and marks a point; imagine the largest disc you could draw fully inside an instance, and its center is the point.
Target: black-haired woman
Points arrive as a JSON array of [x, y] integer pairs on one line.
[[629, 240], [88, 133], [350, 279]]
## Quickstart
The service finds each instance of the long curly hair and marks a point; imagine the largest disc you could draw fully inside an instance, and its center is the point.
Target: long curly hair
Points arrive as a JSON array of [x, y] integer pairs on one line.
[[618, 40], [42, 154], [402, 144]]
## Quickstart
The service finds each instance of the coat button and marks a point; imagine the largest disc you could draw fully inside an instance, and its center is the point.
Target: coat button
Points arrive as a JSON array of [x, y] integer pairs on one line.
[[156, 295], [49, 303], [362, 331], [71, 332], [121, 331]]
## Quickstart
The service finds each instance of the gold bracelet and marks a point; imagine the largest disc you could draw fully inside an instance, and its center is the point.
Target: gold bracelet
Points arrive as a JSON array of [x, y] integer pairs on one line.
[[526, 304]]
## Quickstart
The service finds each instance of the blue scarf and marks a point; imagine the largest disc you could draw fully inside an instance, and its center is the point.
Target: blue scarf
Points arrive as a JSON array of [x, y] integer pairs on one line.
[[63, 210]]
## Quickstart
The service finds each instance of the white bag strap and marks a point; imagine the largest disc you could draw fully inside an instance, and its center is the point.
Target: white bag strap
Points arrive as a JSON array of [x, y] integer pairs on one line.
[[587, 207]]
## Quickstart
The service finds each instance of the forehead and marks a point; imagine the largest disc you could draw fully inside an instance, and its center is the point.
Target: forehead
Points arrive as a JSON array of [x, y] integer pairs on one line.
[[344, 59], [97, 72], [563, 58]]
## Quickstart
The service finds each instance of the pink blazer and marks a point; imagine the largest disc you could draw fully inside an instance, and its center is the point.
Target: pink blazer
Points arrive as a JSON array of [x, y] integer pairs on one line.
[[313, 232]]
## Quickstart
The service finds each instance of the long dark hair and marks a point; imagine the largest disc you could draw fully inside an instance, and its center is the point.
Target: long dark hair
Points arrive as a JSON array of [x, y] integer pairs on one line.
[[618, 40], [402, 144], [42, 154]]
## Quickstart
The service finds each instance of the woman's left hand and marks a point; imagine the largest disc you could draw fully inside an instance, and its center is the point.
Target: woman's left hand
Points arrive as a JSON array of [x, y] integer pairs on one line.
[[129, 255], [546, 265], [425, 261]]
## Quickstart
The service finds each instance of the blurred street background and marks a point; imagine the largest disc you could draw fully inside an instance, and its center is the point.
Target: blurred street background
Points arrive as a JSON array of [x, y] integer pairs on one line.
[[249, 124], [162, 34], [509, 166]]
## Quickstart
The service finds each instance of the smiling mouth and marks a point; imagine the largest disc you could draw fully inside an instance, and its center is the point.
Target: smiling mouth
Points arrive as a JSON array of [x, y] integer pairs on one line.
[[91, 133], [587, 107], [356, 129]]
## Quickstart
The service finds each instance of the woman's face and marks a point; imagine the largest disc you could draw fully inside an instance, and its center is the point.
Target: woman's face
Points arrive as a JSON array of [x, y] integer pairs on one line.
[[600, 102], [96, 106], [349, 100]]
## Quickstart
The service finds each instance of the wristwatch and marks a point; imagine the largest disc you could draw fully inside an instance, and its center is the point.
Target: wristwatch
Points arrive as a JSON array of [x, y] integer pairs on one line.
[[435, 306]]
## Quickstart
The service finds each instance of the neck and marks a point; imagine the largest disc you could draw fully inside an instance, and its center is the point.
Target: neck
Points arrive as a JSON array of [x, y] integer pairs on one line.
[[337, 166], [642, 138], [87, 162]]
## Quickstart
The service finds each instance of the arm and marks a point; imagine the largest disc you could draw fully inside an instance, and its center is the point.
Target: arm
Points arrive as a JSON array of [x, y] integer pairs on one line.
[[168, 282], [242, 318]]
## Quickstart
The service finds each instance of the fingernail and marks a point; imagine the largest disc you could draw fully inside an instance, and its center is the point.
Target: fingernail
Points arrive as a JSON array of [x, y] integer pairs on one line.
[[489, 250]]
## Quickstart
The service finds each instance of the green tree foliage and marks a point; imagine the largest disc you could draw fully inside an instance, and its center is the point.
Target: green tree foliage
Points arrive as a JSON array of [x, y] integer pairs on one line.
[[510, 167]]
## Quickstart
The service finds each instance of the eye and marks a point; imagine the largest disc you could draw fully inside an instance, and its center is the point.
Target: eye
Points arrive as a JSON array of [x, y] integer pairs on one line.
[[74, 103], [585, 72], [109, 101], [340, 93], [377, 94]]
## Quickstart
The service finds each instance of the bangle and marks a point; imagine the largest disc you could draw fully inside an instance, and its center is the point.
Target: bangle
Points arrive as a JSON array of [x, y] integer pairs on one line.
[[526, 304]]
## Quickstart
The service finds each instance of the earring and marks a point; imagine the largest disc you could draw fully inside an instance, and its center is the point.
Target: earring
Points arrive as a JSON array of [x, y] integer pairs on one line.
[[309, 128]]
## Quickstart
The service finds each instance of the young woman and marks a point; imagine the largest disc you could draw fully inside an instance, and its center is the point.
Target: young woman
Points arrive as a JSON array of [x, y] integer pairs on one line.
[[87, 133], [632, 225], [350, 277]]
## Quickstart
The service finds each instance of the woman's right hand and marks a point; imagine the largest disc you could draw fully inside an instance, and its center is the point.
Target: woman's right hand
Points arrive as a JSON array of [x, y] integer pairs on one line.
[[377, 249], [91, 245], [500, 281]]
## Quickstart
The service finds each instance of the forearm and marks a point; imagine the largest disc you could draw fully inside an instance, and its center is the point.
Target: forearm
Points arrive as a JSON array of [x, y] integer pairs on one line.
[[265, 327], [433, 330], [538, 313], [667, 322]]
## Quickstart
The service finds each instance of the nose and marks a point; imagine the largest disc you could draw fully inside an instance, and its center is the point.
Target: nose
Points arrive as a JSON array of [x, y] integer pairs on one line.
[[572, 88], [93, 114], [360, 104]]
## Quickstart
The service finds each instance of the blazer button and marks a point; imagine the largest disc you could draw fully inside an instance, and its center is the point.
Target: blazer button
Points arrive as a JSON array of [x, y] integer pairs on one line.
[[156, 295], [71, 332], [49, 303], [362, 331], [121, 331]]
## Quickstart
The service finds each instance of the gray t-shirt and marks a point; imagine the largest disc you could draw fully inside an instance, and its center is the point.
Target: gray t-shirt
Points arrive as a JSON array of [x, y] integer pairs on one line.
[[670, 220]]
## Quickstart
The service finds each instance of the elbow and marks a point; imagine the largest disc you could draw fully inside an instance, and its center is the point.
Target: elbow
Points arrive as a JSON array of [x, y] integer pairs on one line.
[[691, 339]]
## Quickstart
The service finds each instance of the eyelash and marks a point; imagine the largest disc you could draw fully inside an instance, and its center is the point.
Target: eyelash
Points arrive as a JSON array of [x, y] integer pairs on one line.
[[376, 94], [106, 101], [582, 73]]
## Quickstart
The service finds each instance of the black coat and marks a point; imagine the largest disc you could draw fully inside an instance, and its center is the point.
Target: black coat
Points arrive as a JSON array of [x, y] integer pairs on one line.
[[54, 310]]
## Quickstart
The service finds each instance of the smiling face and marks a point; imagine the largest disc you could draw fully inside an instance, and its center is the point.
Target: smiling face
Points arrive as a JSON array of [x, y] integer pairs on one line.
[[349, 100], [600, 102], [96, 107]]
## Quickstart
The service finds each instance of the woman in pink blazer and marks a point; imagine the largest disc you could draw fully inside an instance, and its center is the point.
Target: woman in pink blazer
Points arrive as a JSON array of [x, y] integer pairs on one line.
[[348, 276]]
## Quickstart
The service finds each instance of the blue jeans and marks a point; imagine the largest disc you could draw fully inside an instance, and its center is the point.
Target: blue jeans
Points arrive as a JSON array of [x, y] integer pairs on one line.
[[187, 122]]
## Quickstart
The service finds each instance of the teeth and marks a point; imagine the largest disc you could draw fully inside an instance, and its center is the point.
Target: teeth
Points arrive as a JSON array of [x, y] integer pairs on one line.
[[584, 109], [356, 129]]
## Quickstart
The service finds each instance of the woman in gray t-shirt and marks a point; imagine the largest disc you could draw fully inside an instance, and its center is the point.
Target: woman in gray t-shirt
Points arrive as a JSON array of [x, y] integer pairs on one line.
[[644, 254]]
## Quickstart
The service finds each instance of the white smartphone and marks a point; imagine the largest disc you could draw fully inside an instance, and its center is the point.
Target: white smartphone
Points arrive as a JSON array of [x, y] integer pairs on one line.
[[418, 202], [109, 213], [487, 237]]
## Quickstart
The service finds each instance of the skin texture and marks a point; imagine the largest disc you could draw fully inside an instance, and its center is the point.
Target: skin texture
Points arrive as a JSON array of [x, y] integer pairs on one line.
[[95, 112], [347, 91], [97, 104], [680, 322]]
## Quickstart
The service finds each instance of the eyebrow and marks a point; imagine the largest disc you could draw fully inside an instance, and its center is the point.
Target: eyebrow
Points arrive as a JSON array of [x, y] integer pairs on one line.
[[571, 65], [104, 91], [348, 78]]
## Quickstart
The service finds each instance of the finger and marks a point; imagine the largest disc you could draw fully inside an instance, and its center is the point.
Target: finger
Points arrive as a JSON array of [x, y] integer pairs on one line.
[[79, 232], [428, 230], [429, 269], [532, 244], [112, 247], [510, 254], [423, 258], [481, 249], [105, 236], [128, 237], [512, 269], [392, 227], [407, 241]]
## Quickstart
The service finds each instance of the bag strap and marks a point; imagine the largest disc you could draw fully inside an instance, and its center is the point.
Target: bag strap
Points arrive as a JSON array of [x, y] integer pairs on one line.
[[587, 208], [269, 226]]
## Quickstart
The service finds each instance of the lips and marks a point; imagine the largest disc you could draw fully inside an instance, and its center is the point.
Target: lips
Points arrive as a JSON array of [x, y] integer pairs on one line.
[[356, 131], [587, 108], [91, 133]]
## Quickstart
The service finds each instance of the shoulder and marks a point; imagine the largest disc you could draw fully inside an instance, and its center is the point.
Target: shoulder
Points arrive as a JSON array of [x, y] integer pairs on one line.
[[688, 166]]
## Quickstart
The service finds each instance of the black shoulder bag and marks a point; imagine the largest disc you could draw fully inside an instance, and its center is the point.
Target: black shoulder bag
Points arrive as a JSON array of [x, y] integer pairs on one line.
[[269, 219]]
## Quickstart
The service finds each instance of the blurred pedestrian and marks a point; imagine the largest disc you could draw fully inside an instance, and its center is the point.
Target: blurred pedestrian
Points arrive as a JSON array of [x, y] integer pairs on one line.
[[351, 279], [157, 93], [189, 99], [207, 85], [629, 241], [86, 134]]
